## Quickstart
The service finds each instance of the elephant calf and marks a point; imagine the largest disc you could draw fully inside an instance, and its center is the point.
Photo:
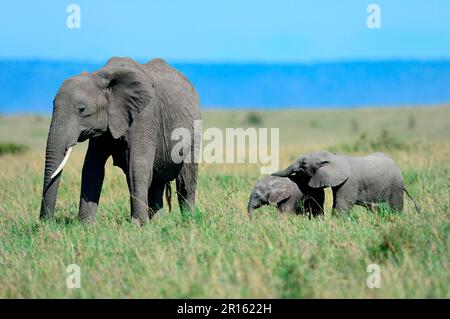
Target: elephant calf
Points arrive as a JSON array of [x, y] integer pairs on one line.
[[363, 181], [291, 195]]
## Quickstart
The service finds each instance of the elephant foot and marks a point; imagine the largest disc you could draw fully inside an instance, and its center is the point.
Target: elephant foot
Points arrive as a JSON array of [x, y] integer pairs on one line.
[[138, 221], [156, 214], [87, 219], [339, 212], [373, 207]]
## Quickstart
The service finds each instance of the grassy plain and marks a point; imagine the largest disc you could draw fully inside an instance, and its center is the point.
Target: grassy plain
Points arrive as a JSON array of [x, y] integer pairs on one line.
[[217, 252]]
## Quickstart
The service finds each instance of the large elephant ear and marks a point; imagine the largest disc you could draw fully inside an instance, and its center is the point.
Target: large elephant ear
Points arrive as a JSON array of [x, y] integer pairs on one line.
[[128, 91], [330, 173]]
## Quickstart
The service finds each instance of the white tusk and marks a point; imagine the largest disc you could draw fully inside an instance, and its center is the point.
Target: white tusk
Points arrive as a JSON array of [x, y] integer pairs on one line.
[[64, 161]]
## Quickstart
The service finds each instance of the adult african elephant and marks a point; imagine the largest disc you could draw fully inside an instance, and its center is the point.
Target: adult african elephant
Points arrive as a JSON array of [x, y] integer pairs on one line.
[[365, 180], [128, 111]]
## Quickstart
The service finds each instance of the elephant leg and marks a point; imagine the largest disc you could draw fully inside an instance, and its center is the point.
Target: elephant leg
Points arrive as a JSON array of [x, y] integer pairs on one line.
[[341, 206], [343, 199], [92, 179], [155, 198], [282, 209], [396, 200], [288, 206], [311, 207], [139, 178], [314, 202], [186, 183]]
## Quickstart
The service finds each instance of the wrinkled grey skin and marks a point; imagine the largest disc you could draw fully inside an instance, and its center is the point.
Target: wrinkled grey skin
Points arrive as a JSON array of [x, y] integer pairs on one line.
[[363, 181], [128, 111], [290, 194]]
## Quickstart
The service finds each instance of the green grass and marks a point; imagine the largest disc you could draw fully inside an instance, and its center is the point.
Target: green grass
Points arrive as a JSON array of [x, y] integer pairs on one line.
[[11, 148], [216, 251]]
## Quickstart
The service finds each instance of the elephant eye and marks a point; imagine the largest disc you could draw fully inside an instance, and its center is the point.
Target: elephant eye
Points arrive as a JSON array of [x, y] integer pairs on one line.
[[320, 164], [85, 111]]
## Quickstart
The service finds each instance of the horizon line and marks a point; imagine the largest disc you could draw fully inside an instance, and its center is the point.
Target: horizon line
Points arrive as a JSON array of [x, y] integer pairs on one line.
[[275, 108], [235, 62]]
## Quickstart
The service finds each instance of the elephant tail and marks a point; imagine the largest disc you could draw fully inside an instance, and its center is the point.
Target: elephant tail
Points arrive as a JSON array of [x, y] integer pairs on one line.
[[169, 196], [415, 204]]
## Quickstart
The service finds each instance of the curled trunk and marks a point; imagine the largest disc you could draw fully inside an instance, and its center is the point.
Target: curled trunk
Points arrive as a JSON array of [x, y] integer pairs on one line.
[[288, 171]]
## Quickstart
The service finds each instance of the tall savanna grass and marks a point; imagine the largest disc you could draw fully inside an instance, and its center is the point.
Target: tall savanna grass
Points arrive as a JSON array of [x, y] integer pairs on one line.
[[216, 251]]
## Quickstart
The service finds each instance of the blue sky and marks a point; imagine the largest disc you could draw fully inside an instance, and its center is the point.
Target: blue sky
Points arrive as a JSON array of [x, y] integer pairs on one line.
[[206, 30]]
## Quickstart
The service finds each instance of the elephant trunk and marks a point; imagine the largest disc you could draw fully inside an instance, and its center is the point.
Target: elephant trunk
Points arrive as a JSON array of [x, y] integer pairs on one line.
[[251, 206], [54, 157], [286, 172]]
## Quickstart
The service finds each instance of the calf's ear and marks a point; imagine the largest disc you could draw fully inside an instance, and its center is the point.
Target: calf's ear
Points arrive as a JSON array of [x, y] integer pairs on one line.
[[279, 195], [330, 173]]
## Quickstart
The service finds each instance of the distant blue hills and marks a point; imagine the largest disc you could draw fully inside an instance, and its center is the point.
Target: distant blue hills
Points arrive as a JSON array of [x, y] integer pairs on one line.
[[29, 86]]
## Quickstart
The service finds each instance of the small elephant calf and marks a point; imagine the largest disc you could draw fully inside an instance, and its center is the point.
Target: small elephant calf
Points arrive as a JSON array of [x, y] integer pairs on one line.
[[291, 195], [364, 181]]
